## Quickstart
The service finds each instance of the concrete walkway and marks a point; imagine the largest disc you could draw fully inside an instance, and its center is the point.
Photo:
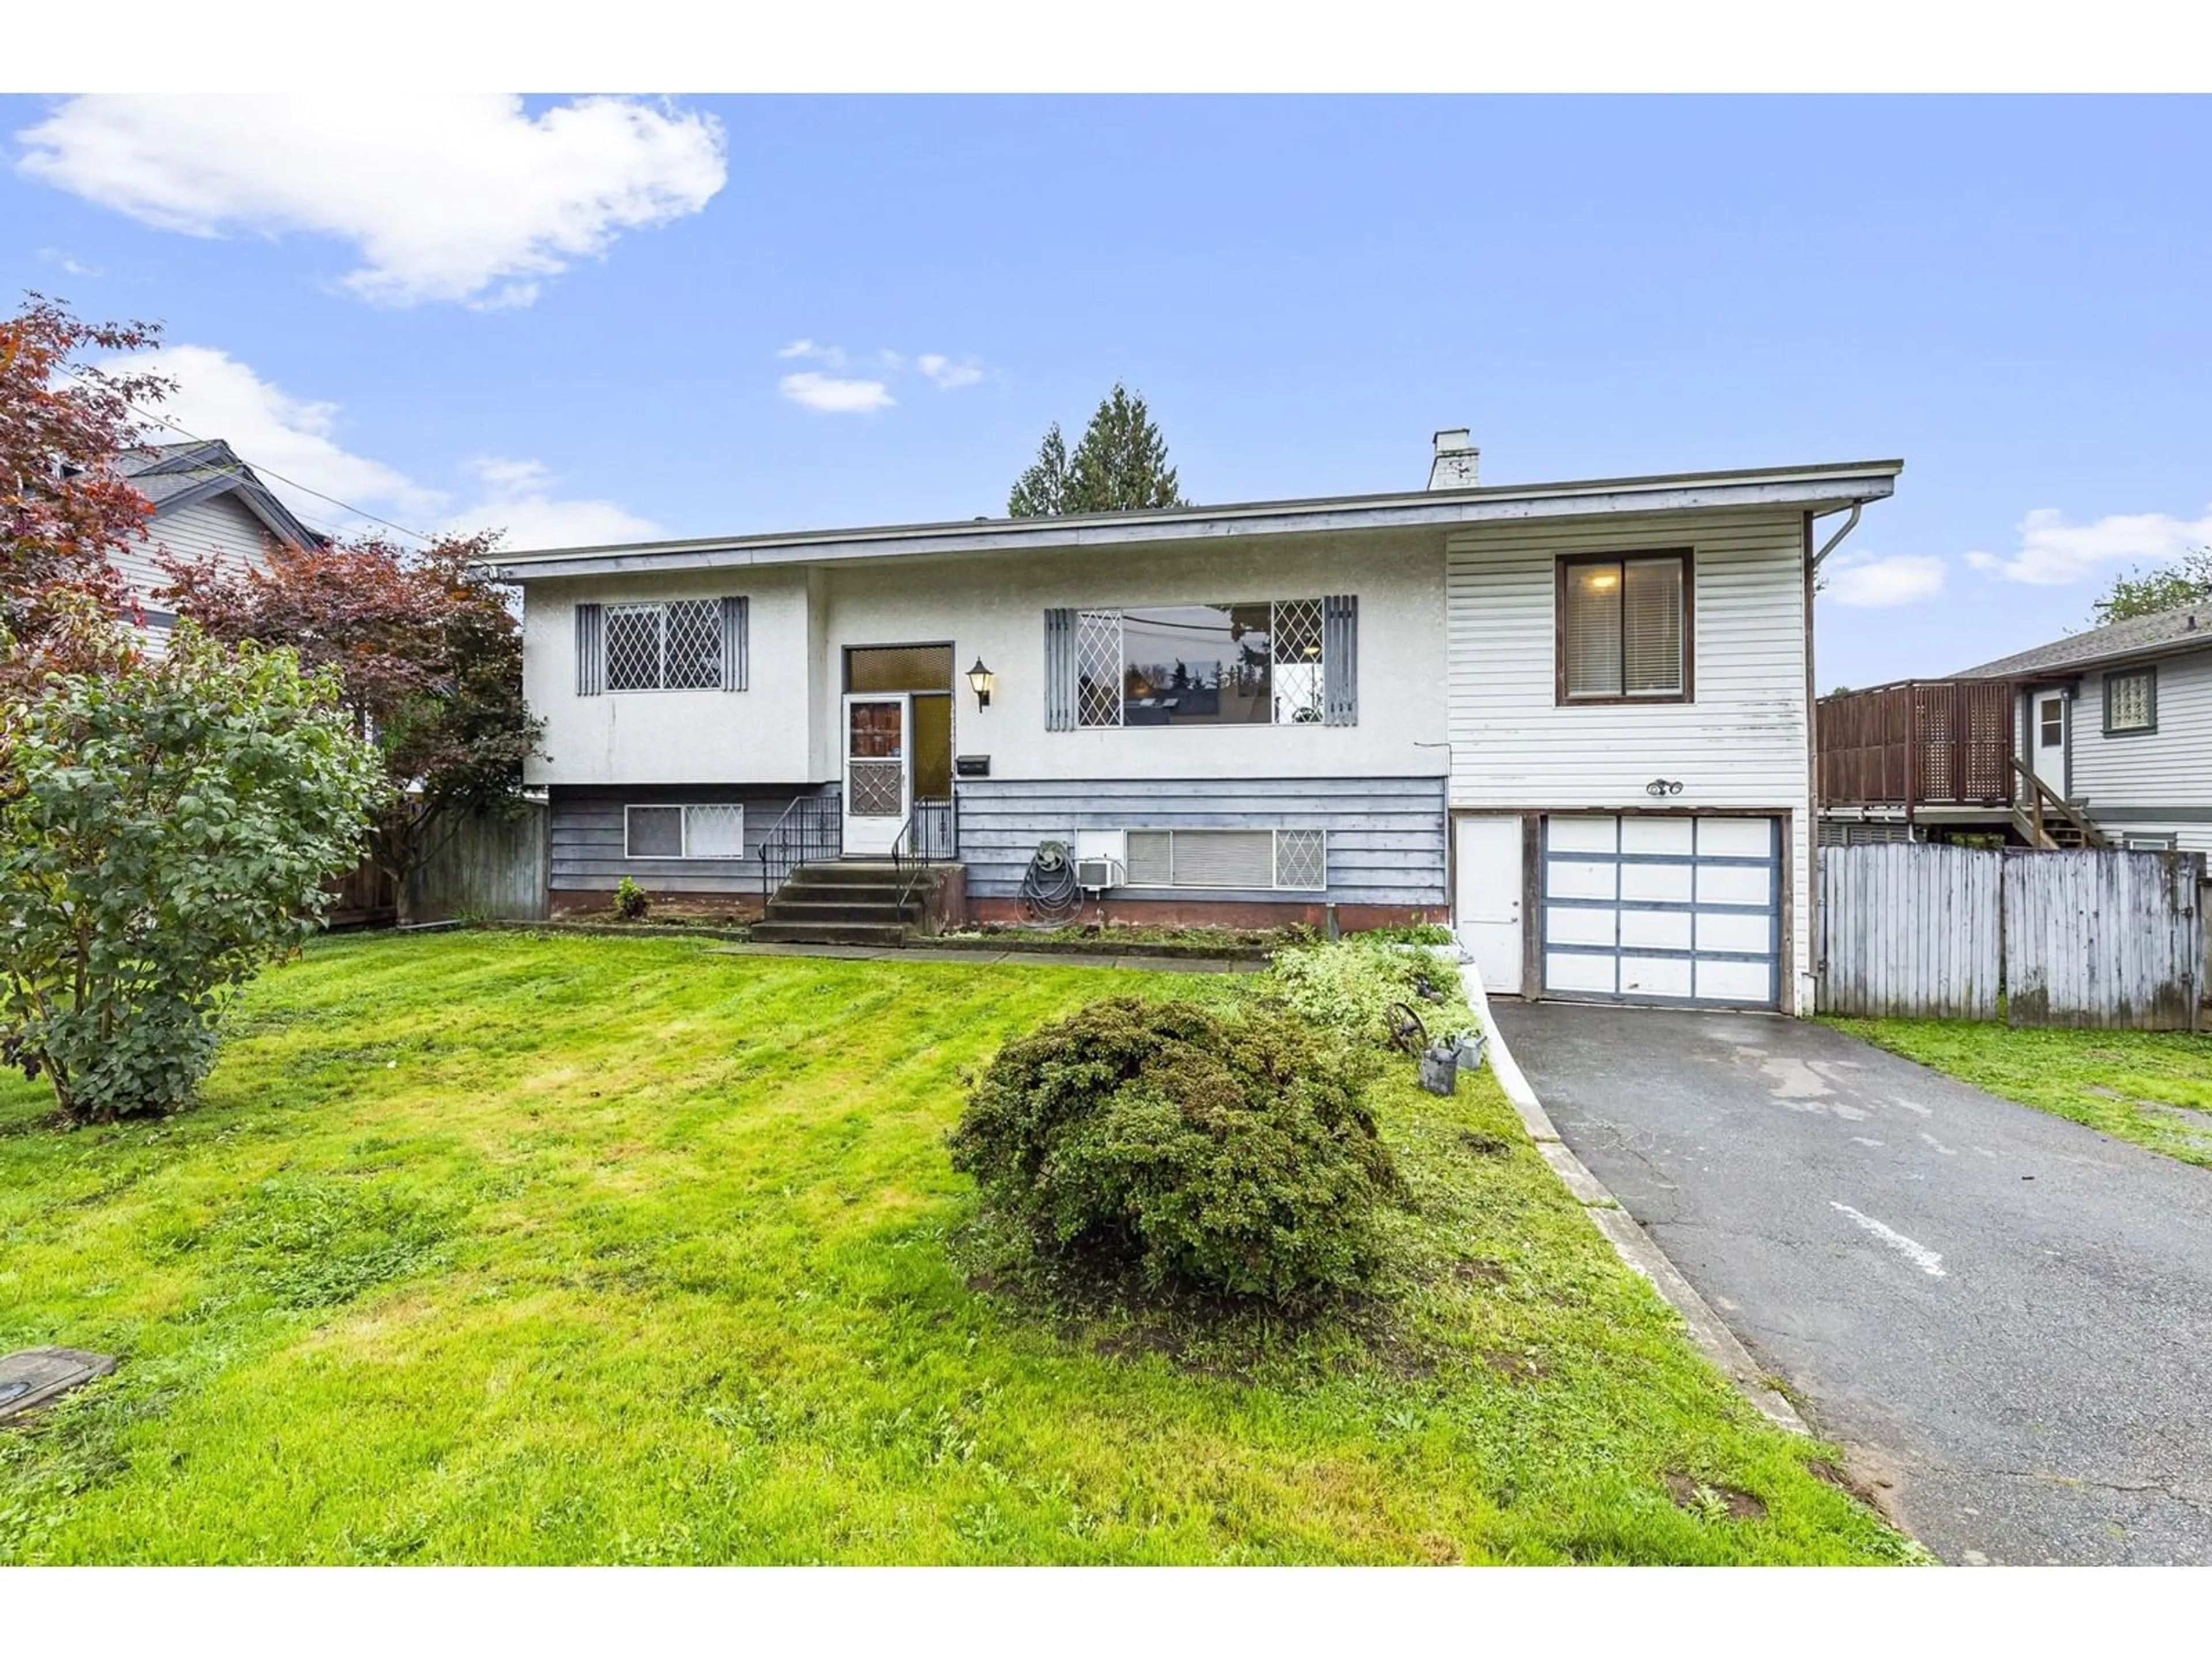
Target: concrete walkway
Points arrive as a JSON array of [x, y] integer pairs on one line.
[[1001, 958], [2005, 1314]]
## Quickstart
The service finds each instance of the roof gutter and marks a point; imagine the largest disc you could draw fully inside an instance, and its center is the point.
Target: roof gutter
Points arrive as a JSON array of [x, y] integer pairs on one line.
[[1843, 530]]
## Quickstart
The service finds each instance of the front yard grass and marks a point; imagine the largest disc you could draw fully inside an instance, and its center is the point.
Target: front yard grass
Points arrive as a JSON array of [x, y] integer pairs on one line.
[[499, 1247], [2153, 1088]]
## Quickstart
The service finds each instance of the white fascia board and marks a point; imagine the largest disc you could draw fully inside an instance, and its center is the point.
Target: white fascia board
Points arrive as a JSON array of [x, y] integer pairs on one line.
[[1816, 491]]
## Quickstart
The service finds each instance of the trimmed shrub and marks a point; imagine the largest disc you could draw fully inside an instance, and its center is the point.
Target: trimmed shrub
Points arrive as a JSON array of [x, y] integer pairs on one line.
[[1226, 1149], [630, 901], [1349, 987]]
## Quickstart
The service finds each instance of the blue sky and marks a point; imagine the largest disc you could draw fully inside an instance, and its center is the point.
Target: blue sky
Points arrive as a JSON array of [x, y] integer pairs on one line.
[[583, 322]]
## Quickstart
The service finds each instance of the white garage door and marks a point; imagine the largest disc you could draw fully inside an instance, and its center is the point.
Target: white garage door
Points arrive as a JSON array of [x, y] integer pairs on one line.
[[1663, 908]]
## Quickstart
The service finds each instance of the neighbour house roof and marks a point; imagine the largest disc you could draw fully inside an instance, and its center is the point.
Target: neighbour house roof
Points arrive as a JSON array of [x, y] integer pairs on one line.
[[175, 476], [2187, 629], [1820, 488]]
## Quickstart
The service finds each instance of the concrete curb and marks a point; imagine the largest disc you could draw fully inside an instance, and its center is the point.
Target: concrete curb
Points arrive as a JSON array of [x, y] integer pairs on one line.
[[1630, 1242]]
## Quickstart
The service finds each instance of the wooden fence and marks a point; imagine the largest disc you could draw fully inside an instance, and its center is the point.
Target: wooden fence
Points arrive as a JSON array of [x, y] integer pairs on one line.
[[2097, 937], [489, 867]]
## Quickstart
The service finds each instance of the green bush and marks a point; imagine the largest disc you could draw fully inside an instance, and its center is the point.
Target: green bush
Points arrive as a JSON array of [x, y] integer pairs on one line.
[[630, 901], [167, 827], [1221, 1149], [1349, 987]]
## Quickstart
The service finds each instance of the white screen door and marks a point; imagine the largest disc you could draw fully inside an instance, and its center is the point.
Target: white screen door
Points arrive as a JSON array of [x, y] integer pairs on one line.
[[2049, 713], [1486, 907], [879, 772]]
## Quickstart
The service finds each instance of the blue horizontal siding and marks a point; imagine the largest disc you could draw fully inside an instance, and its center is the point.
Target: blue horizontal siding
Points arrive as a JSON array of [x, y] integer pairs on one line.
[[1386, 839], [585, 825]]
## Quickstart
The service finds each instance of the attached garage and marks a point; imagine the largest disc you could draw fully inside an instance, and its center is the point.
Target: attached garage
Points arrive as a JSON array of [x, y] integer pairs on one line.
[[1662, 908]]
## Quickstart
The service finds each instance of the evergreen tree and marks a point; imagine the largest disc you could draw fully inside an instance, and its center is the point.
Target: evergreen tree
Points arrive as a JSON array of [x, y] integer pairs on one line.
[[1120, 465], [1043, 490]]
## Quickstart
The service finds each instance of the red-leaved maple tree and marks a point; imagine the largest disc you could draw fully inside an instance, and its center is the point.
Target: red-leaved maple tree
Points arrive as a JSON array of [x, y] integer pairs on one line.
[[430, 656], [63, 509]]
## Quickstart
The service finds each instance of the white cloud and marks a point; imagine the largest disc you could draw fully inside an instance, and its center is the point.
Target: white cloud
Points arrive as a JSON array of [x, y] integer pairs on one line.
[[519, 499], [219, 397], [446, 197], [2052, 552], [69, 263], [947, 375], [1874, 582], [829, 394], [839, 394], [274, 432]]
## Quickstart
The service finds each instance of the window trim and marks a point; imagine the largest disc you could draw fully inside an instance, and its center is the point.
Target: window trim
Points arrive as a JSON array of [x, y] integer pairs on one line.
[[687, 856], [611, 608], [1688, 556], [2148, 674], [1274, 833]]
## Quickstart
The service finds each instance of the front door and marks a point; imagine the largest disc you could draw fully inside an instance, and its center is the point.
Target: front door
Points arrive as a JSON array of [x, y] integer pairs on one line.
[[1486, 898], [879, 772], [2049, 714]]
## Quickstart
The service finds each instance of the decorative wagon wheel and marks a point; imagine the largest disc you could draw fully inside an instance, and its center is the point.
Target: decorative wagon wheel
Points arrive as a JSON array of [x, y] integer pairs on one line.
[[1408, 1035]]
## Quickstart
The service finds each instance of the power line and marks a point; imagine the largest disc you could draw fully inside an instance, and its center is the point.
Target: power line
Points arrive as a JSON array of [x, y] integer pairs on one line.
[[359, 512]]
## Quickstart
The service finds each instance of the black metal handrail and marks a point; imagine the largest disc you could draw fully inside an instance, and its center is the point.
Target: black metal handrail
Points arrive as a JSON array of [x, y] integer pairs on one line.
[[928, 835], [811, 827]]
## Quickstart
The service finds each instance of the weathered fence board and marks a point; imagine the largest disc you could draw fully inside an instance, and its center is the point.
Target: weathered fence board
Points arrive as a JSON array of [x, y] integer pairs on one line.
[[492, 867], [1910, 930], [2103, 937], [2097, 937]]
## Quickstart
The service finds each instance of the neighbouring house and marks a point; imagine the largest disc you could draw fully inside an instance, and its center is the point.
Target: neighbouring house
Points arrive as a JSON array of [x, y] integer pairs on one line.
[[1573, 718], [2101, 739], [206, 501]]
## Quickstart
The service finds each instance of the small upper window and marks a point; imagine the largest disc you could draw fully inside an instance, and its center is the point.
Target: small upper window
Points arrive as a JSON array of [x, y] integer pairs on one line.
[[1625, 627], [676, 647], [2050, 721], [2131, 700]]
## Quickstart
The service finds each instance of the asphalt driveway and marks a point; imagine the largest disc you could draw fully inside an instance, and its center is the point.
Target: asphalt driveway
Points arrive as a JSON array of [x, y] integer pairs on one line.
[[2008, 1313]]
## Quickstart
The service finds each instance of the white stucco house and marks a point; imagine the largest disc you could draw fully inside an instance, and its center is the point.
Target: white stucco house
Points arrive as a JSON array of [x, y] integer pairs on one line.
[[1573, 718], [206, 501]]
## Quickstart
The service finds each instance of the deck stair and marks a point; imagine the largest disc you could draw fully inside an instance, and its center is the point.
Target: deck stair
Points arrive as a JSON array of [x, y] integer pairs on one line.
[[2049, 821], [850, 902]]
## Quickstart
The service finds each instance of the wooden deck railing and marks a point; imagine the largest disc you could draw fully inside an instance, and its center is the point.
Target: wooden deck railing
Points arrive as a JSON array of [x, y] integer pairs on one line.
[[1919, 743]]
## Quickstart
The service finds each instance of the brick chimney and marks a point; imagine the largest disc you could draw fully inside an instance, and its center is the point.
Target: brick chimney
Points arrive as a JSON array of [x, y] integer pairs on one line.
[[1456, 462]]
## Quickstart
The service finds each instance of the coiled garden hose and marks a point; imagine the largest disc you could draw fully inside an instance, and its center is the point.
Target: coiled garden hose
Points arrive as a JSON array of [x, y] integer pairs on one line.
[[1049, 889]]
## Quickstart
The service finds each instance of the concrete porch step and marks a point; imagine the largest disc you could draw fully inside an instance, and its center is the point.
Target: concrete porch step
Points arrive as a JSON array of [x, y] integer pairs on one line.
[[830, 933], [814, 904]]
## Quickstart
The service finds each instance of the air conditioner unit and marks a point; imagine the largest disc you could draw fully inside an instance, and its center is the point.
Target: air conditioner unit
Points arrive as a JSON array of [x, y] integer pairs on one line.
[[1097, 875]]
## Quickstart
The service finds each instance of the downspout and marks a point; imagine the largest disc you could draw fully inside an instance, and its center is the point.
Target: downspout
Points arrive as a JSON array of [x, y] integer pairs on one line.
[[1830, 545], [1815, 920]]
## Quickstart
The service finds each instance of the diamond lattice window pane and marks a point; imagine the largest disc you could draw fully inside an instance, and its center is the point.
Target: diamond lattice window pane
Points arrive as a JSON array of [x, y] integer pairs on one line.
[[654, 832], [633, 647], [1098, 668], [695, 645], [715, 832], [1299, 860], [877, 788], [1297, 636]]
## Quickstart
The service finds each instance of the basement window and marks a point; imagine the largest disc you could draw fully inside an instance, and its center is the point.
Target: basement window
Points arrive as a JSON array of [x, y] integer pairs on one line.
[[713, 831], [1293, 860]]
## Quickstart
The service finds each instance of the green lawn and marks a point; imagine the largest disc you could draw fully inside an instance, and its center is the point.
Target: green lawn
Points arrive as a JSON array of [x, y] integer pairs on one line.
[[2153, 1088], [486, 1248]]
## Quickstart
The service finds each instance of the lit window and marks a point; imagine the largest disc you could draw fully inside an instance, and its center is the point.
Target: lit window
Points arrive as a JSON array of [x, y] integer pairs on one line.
[[1623, 627]]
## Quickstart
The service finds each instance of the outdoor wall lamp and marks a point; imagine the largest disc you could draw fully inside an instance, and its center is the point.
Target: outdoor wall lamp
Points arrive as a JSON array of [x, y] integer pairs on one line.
[[1663, 787], [980, 680]]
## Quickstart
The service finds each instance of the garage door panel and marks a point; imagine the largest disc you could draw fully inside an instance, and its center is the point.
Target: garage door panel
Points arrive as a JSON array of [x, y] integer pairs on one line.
[[1736, 884], [1734, 982], [1660, 834], [1663, 907], [1749, 932], [1572, 971], [1581, 924], [1658, 883], [1742, 838], [1657, 930], [1583, 834], [1576, 879], [1657, 977]]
